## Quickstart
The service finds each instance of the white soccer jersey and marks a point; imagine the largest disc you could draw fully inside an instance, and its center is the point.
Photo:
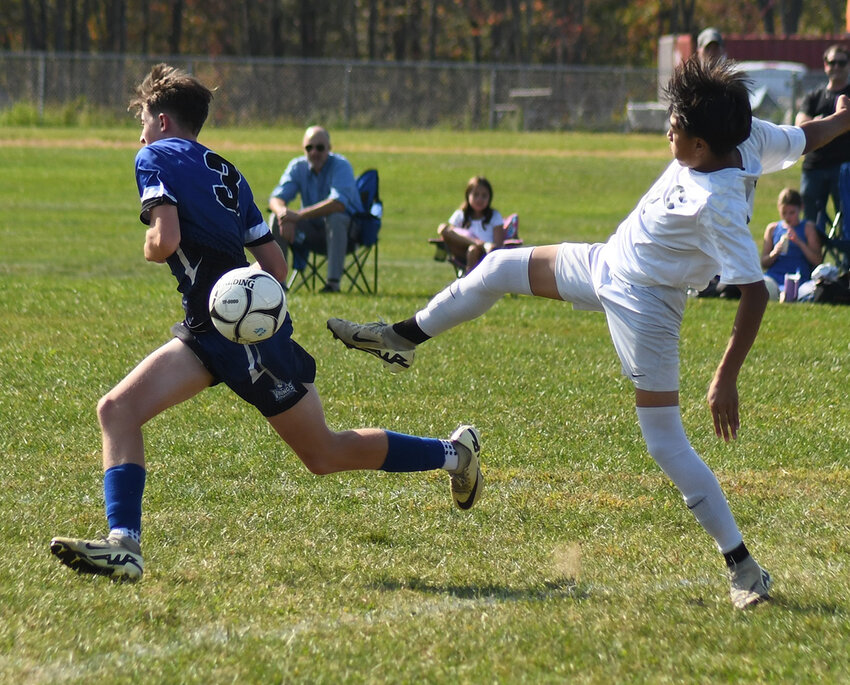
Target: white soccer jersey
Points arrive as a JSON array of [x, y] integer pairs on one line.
[[691, 226]]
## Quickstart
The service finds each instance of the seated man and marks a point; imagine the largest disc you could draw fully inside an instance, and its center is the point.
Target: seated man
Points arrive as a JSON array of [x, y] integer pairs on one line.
[[329, 199]]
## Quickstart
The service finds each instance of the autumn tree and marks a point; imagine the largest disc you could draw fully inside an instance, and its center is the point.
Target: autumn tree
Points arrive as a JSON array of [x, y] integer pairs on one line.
[[501, 31]]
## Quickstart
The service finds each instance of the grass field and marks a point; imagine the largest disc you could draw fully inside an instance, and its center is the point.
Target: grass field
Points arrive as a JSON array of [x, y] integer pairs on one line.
[[581, 564]]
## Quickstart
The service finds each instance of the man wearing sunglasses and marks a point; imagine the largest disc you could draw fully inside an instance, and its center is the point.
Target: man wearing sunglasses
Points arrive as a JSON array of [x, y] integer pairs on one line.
[[821, 167], [329, 198]]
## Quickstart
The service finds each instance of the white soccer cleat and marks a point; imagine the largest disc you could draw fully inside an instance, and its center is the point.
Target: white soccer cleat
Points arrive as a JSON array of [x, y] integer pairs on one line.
[[117, 556], [467, 481], [750, 583], [369, 337]]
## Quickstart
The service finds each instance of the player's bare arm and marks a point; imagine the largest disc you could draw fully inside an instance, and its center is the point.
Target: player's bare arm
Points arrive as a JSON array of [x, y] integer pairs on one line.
[[163, 237], [819, 132], [723, 391], [802, 118], [270, 259]]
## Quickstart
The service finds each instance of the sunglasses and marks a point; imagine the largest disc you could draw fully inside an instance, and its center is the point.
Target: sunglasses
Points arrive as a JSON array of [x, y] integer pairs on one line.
[[836, 62], [317, 148]]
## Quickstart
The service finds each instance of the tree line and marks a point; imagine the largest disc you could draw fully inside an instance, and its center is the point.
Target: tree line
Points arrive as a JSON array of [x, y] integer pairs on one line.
[[501, 31]]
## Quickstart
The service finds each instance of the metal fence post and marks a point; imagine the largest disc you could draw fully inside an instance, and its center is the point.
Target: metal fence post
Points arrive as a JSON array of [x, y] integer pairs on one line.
[[42, 85], [795, 93], [346, 95], [493, 98]]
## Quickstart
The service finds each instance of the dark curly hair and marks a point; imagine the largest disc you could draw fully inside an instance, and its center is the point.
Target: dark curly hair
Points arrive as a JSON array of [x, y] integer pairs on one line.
[[711, 101], [174, 92]]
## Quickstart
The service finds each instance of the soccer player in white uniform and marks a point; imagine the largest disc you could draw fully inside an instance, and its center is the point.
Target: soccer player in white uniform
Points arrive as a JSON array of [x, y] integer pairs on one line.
[[690, 225], [201, 216]]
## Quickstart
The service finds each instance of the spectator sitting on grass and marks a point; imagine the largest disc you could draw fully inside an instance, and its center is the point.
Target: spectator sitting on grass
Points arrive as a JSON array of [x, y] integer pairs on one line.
[[791, 246]]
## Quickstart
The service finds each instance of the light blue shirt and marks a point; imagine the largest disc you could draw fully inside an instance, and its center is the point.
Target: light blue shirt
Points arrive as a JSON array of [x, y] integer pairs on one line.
[[335, 181]]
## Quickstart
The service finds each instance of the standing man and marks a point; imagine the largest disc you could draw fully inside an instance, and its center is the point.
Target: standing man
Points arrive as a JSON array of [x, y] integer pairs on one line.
[[710, 45], [329, 199], [821, 167]]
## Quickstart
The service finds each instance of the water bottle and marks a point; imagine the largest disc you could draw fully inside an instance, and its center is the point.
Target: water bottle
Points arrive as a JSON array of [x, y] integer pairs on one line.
[[792, 284]]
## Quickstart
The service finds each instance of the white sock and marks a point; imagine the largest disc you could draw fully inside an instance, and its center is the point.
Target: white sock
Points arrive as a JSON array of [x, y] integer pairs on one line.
[[127, 533], [499, 273], [451, 462], [669, 447]]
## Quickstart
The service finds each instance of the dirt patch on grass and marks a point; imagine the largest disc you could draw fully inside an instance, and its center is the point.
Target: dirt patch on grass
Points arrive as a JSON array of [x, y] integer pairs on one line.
[[131, 144]]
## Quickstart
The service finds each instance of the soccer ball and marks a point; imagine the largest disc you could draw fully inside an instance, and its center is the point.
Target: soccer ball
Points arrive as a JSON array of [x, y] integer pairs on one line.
[[247, 305]]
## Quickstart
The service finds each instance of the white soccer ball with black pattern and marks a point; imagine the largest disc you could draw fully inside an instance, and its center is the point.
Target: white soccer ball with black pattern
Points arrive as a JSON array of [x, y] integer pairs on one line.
[[247, 305]]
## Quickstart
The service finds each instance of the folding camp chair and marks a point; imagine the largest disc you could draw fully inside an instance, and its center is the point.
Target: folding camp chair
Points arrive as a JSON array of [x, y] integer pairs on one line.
[[512, 239], [836, 246], [836, 239], [308, 267]]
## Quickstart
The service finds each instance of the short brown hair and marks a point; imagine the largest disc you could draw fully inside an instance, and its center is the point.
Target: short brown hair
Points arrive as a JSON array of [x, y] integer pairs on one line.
[[174, 92], [790, 196]]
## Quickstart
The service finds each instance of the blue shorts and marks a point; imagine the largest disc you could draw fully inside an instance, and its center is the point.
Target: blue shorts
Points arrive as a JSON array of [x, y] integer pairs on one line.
[[272, 374]]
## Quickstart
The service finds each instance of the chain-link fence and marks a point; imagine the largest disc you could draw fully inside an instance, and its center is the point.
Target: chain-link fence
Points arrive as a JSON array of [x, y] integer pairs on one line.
[[348, 93], [340, 92]]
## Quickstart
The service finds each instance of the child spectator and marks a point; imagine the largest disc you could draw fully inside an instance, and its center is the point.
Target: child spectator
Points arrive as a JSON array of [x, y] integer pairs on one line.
[[475, 229], [791, 246]]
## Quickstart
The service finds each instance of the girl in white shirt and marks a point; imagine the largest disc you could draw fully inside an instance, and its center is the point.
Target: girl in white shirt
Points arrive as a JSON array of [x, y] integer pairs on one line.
[[474, 229]]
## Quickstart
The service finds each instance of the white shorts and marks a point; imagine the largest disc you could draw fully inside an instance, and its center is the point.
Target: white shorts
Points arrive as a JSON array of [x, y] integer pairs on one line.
[[644, 321]]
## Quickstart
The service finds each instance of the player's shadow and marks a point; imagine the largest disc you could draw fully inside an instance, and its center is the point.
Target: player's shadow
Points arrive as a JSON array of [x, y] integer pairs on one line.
[[543, 592], [813, 608]]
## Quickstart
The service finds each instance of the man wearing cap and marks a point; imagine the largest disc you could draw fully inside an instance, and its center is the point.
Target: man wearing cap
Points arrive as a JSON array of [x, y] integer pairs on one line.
[[710, 45], [821, 168]]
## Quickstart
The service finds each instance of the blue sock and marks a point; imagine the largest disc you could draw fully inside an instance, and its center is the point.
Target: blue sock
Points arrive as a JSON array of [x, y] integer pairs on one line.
[[412, 453], [123, 486]]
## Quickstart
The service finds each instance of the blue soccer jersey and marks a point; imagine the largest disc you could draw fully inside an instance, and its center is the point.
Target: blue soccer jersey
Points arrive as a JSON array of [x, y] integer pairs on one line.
[[218, 216]]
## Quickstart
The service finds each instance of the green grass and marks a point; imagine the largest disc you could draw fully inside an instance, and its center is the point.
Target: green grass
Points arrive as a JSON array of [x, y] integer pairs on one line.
[[581, 564]]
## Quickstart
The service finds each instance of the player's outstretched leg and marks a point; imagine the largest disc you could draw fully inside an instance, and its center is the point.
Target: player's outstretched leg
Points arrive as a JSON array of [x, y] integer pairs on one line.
[[467, 481], [377, 338], [499, 273], [750, 583], [117, 556]]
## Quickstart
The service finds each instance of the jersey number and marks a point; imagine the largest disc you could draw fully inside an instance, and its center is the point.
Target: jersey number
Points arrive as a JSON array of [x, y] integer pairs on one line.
[[228, 192]]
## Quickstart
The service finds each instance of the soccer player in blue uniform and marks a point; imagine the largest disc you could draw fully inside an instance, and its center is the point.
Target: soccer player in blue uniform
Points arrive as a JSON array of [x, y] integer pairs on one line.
[[202, 216]]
